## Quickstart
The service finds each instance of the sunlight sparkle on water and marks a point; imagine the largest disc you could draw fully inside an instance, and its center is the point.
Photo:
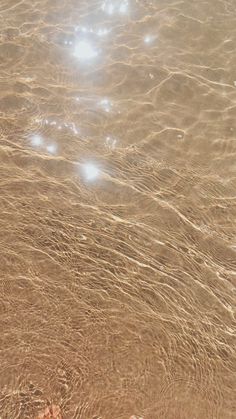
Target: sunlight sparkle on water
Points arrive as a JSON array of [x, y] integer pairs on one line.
[[52, 148], [102, 32], [119, 7], [106, 105], [90, 171], [110, 142], [148, 39], [98, 32], [74, 129], [108, 8], [84, 51], [36, 140], [123, 7]]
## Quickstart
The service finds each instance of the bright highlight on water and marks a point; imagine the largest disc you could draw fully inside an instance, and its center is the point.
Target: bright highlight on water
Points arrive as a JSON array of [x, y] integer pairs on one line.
[[90, 171], [85, 51]]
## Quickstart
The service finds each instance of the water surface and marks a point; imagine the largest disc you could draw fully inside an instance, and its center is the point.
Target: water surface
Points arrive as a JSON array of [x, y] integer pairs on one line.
[[118, 209]]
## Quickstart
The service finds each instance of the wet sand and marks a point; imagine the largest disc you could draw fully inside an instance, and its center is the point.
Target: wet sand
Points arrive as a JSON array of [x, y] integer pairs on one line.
[[118, 209]]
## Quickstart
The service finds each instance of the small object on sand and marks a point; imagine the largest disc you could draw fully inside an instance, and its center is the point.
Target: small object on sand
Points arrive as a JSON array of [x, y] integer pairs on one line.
[[51, 412]]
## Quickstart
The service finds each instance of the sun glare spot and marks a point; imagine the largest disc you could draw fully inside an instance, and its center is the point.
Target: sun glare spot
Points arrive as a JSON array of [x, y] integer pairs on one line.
[[106, 105], [148, 39], [90, 171], [123, 8], [119, 7], [84, 51], [102, 32], [51, 148], [110, 142], [36, 140]]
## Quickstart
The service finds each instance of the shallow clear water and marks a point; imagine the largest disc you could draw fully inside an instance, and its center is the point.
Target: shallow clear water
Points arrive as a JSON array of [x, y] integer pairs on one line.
[[118, 209]]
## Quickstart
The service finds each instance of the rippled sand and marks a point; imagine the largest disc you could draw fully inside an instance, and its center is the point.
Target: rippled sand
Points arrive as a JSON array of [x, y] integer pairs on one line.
[[118, 209]]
